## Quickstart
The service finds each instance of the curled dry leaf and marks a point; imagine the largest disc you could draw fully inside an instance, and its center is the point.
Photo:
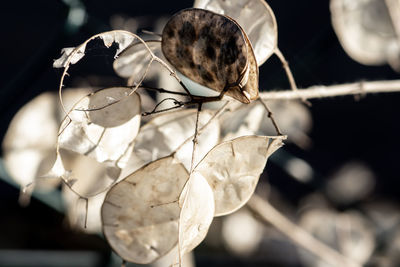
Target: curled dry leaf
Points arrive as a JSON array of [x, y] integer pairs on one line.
[[367, 30], [140, 214], [233, 168], [99, 131], [164, 134], [135, 60], [197, 203], [255, 17], [212, 50]]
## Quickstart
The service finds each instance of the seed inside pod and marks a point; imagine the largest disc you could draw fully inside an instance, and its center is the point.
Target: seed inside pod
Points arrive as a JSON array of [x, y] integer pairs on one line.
[[212, 50]]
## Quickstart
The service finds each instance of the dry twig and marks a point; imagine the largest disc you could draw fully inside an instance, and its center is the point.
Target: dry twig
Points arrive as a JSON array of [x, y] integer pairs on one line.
[[322, 91]]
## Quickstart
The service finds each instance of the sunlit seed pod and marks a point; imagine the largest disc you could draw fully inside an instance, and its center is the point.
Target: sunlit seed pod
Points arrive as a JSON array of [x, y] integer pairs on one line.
[[78, 215], [197, 212], [102, 124], [368, 30], [233, 168], [255, 17], [98, 132], [31, 137], [293, 117], [348, 232], [140, 214], [113, 107], [242, 233], [167, 132], [210, 49]]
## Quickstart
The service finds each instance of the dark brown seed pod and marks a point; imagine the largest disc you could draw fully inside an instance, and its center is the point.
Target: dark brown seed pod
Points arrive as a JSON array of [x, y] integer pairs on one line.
[[212, 50]]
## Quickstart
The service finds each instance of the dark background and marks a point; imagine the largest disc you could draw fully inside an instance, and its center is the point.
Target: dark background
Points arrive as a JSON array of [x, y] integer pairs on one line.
[[33, 33]]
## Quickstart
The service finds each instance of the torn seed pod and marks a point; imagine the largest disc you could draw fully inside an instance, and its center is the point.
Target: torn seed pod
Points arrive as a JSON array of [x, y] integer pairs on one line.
[[140, 214], [233, 168], [71, 55], [212, 50], [255, 17], [99, 131]]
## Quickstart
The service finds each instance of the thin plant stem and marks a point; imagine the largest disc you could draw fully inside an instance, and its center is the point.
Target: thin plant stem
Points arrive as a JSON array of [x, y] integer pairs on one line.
[[177, 103], [270, 116], [162, 90], [358, 88], [216, 115], [196, 133], [289, 73], [268, 214], [285, 65]]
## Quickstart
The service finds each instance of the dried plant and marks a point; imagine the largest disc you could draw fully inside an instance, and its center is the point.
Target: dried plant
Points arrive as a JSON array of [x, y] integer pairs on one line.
[[154, 187]]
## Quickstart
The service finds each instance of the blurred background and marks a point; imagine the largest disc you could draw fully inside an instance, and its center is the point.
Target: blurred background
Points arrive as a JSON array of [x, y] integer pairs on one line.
[[339, 179]]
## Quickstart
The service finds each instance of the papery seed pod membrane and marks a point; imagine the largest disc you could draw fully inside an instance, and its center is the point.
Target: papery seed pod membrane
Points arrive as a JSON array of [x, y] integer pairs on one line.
[[140, 214], [99, 130], [255, 17], [233, 168]]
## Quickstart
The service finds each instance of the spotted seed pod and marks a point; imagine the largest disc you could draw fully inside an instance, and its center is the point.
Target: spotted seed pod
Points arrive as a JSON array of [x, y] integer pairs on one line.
[[212, 50]]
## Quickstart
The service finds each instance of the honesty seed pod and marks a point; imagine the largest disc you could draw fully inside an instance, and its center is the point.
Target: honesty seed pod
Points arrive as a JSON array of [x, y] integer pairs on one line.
[[212, 50]]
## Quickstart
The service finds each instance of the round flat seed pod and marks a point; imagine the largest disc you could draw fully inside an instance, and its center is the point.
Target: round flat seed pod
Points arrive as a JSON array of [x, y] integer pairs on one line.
[[233, 168], [350, 233], [102, 125], [197, 203], [113, 106], [208, 48], [30, 139], [293, 117], [165, 133], [98, 132], [255, 17], [366, 30], [140, 214]]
